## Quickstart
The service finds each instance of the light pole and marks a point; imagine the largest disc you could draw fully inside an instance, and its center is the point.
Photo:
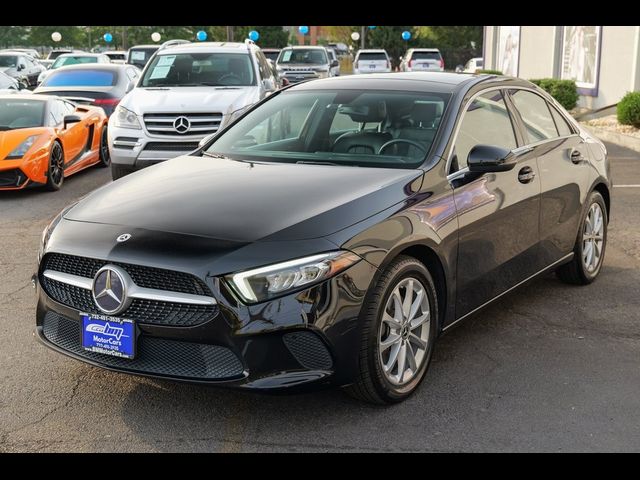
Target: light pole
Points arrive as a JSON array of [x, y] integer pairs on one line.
[[362, 36]]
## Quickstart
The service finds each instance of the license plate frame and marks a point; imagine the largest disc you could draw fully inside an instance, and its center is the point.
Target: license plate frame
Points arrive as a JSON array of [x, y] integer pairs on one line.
[[109, 335]]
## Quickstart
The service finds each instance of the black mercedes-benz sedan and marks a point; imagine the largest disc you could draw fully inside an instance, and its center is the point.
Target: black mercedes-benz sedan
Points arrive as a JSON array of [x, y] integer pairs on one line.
[[328, 236]]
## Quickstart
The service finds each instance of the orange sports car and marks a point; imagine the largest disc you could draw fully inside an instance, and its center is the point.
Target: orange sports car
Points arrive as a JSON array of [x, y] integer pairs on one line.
[[44, 139]]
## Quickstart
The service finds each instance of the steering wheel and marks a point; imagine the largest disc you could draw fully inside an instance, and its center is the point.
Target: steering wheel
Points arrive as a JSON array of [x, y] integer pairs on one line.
[[402, 140], [236, 80]]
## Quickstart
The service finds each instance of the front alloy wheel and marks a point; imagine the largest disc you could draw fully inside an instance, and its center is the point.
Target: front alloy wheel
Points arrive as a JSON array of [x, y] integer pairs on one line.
[[398, 333], [55, 173]]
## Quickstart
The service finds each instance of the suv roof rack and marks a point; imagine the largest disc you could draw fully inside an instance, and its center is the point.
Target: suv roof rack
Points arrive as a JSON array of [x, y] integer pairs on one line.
[[169, 43]]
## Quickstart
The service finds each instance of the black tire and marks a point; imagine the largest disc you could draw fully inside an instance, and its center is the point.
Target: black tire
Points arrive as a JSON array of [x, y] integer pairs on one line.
[[105, 157], [55, 172], [119, 171], [576, 272], [371, 385]]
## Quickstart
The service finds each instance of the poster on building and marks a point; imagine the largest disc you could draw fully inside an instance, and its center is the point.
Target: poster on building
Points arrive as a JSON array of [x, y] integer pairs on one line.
[[509, 50], [581, 56]]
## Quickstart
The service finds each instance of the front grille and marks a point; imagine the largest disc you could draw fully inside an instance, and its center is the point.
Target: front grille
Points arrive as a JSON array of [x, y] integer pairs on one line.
[[299, 75], [154, 355], [143, 311], [308, 350], [171, 146], [12, 178], [201, 124]]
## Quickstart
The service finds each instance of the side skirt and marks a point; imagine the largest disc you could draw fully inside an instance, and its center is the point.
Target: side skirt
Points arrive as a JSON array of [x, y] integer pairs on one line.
[[565, 259]]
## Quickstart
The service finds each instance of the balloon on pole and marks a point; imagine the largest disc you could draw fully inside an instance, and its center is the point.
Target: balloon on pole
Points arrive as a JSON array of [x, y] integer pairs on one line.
[[107, 37], [406, 35], [372, 28], [303, 29], [254, 36], [155, 36], [56, 37], [201, 35], [355, 36]]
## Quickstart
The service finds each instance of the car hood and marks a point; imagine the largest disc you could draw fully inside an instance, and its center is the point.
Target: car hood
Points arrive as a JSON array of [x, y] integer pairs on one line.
[[245, 202], [7, 70], [189, 99]]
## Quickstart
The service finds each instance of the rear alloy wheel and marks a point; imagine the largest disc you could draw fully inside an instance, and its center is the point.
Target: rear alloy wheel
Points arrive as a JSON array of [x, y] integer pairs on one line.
[[590, 244], [398, 333], [105, 157], [55, 173]]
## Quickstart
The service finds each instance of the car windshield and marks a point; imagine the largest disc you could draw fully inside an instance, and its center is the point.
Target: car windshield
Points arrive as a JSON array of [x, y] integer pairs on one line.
[[21, 113], [425, 56], [313, 56], [8, 61], [63, 61], [140, 56], [217, 69], [365, 56], [80, 78], [116, 56], [55, 54], [271, 55], [364, 128]]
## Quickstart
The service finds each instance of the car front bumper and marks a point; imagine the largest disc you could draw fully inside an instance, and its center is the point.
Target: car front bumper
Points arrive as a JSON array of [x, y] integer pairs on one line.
[[309, 338]]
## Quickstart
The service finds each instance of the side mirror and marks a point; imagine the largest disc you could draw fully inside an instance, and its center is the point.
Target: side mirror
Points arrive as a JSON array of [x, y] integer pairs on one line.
[[206, 139], [285, 81], [268, 84], [335, 63], [490, 158], [21, 66], [70, 119]]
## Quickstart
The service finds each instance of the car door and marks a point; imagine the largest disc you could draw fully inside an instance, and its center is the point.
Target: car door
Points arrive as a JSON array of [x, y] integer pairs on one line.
[[74, 137], [564, 171], [497, 212]]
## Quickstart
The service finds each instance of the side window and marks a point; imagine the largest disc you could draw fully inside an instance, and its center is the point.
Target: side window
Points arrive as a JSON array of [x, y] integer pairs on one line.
[[534, 111], [263, 66], [485, 122], [563, 127], [57, 112]]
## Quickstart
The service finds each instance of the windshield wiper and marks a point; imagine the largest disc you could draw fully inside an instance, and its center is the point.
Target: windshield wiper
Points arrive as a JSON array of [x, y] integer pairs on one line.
[[320, 162], [213, 155]]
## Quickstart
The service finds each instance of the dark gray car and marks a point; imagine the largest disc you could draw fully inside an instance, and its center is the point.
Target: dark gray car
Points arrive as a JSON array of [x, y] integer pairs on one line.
[[103, 85], [22, 67]]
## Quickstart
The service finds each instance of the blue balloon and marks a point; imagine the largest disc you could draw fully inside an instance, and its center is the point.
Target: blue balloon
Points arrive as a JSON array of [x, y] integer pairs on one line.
[[108, 37], [303, 29], [372, 28], [201, 35], [406, 35], [254, 36]]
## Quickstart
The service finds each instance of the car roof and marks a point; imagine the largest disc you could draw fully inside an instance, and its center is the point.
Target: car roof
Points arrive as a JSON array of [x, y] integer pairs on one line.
[[80, 54], [373, 50], [424, 49], [208, 46], [306, 47]]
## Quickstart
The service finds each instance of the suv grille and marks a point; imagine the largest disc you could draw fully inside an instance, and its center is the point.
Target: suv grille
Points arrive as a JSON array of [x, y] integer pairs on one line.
[[143, 311], [200, 124], [171, 146]]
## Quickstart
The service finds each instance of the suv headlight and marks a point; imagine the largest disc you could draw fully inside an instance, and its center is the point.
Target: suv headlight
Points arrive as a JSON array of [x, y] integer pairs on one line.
[[265, 283], [22, 149], [124, 118]]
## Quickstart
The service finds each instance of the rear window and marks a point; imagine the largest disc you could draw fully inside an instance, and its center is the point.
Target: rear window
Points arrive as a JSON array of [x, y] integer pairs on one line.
[[372, 56], [425, 56], [116, 56], [81, 78]]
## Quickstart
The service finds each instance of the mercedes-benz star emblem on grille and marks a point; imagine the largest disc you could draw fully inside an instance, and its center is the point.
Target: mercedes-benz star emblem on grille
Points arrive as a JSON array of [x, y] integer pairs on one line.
[[110, 289], [181, 124], [123, 238]]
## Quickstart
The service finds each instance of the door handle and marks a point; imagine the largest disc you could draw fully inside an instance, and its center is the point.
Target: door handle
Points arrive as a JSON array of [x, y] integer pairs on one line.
[[576, 156], [526, 175]]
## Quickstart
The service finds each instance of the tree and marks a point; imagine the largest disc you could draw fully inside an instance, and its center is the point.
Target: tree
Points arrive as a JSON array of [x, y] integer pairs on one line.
[[40, 36], [270, 37], [390, 38], [12, 36], [456, 43]]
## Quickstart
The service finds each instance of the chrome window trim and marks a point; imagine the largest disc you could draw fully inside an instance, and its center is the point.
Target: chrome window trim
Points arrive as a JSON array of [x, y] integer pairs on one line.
[[534, 144], [134, 291]]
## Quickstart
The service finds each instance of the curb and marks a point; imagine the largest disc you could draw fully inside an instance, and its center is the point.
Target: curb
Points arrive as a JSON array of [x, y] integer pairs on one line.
[[627, 141]]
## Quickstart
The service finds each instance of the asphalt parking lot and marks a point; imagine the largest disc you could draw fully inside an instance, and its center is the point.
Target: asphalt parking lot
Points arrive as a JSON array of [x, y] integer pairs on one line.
[[550, 367]]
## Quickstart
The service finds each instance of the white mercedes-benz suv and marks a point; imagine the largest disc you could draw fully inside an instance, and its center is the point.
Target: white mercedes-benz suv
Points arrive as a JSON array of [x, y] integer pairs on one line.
[[186, 93]]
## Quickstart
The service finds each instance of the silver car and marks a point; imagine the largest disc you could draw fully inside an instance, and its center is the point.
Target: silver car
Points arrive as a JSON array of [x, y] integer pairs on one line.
[[300, 63]]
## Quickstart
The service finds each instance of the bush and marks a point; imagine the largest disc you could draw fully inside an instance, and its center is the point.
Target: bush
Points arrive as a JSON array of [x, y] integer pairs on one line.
[[564, 91], [491, 72], [629, 109]]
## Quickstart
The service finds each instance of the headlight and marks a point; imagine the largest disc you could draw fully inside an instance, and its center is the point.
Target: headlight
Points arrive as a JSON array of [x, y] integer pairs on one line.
[[264, 283], [21, 149], [124, 118], [48, 230], [233, 115]]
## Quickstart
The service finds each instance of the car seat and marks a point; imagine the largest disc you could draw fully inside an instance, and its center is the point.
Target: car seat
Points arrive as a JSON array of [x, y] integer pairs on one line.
[[363, 142]]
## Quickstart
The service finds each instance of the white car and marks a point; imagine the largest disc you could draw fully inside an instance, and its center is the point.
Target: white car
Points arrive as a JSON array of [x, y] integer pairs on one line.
[[371, 61], [474, 65], [67, 59], [422, 60], [116, 56], [187, 92]]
